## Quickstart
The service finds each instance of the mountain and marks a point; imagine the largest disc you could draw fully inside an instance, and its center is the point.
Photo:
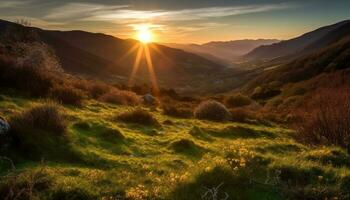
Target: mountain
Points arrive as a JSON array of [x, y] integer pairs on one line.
[[110, 58], [295, 45], [323, 68], [225, 50]]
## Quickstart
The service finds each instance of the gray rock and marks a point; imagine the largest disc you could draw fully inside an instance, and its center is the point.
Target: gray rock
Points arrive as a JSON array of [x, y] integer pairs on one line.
[[4, 126], [149, 99]]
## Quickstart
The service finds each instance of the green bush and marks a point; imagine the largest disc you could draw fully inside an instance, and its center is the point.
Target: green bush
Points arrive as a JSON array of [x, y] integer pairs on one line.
[[212, 110], [46, 117], [40, 132]]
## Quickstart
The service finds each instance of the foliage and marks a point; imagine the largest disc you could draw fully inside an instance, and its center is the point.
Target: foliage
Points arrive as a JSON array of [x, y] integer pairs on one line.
[[242, 115], [326, 120], [138, 116], [67, 95], [121, 97], [30, 79], [212, 110], [237, 100], [177, 110], [40, 131], [45, 117]]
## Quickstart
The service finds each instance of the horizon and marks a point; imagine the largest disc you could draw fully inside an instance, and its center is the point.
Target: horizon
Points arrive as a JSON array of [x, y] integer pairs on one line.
[[181, 22]]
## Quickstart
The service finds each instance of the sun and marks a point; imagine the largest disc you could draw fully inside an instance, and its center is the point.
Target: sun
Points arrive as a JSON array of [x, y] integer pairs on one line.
[[144, 35]]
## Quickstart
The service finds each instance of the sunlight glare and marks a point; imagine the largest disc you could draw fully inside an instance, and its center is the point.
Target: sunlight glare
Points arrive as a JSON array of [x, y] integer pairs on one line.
[[144, 34]]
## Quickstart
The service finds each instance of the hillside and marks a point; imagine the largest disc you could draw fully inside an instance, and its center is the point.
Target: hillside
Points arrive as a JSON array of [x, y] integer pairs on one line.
[[225, 50], [104, 158], [294, 45], [64, 137], [91, 54], [291, 83]]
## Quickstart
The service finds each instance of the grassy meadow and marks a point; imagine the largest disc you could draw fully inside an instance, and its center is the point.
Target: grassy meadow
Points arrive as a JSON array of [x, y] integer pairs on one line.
[[102, 157]]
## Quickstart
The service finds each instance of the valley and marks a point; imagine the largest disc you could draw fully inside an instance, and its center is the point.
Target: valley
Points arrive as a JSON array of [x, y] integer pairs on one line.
[[91, 116]]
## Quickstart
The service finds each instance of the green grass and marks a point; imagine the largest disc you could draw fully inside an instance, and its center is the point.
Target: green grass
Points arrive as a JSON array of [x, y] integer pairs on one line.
[[177, 160]]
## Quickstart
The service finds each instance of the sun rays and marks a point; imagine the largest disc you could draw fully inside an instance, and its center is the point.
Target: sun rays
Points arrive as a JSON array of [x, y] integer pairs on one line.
[[143, 52]]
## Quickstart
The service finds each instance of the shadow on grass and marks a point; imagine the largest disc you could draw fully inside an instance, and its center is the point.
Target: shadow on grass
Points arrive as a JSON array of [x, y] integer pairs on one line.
[[240, 132], [336, 157], [200, 134], [279, 148], [187, 147], [101, 136], [235, 185]]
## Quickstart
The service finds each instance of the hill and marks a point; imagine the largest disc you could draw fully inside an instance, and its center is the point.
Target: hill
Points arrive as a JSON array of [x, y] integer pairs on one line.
[[67, 138], [289, 84], [225, 50], [91, 54], [294, 45]]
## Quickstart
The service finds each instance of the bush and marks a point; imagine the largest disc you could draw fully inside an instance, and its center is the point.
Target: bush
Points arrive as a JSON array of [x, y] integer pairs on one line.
[[40, 131], [36, 82], [121, 97], [138, 116], [326, 119], [93, 88], [67, 94], [212, 110], [241, 115], [261, 93], [45, 117], [97, 89], [238, 100], [177, 111]]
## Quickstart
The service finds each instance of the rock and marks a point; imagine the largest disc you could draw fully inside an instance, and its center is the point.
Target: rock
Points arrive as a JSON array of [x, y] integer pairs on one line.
[[4, 126], [148, 99]]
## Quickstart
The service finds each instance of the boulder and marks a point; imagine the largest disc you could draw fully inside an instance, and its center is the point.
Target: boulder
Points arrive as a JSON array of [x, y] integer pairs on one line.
[[148, 99], [4, 126]]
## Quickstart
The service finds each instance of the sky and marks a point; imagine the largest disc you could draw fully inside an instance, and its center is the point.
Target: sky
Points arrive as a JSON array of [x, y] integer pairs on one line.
[[181, 21]]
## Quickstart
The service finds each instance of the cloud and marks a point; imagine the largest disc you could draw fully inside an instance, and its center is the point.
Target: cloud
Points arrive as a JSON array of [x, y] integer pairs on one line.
[[120, 13], [13, 3], [80, 10], [36, 22]]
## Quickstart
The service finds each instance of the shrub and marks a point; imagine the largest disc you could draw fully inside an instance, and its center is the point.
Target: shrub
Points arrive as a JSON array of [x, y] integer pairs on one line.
[[93, 88], [97, 89], [326, 119], [212, 110], [45, 117], [40, 131], [241, 115], [264, 93], [34, 81], [67, 94], [138, 116], [120, 97], [177, 111], [238, 100]]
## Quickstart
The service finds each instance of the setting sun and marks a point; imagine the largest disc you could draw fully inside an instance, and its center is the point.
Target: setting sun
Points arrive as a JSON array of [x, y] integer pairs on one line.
[[144, 35]]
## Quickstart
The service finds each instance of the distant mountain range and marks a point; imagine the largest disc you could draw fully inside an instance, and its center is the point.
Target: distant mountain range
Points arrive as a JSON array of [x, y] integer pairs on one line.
[[305, 43], [305, 61], [109, 58], [323, 63], [223, 50]]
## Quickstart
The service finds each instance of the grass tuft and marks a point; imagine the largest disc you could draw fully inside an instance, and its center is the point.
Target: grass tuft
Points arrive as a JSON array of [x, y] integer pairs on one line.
[[138, 116], [212, 110]]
